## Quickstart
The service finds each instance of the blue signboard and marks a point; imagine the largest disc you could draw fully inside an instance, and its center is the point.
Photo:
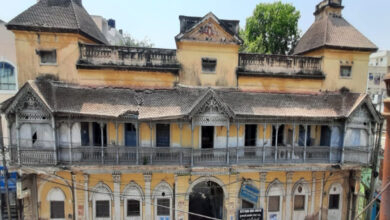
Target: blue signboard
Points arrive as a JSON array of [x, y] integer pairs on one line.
[[249, 193], [12, 178]]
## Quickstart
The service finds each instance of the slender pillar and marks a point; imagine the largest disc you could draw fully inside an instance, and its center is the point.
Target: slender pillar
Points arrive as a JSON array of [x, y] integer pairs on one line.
[[17, 126], [343, 147], [305, 145], [238, 133], [148, 196], [76, 214], [181, 134], [116, 134], [102, 141], [70, 142], [227, 144], [276, 142], [288, 195], [117, 191], [86, 200], [264, 133], [293, 142], [313, 192], [151, 134], [263, 178]]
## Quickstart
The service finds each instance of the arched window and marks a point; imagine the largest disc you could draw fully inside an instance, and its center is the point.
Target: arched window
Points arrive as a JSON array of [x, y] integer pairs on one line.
[[162, 197], [300, 199], [274, 200], [133, 198], [7, 76], [101, 202], [56, 199], [335, 202]]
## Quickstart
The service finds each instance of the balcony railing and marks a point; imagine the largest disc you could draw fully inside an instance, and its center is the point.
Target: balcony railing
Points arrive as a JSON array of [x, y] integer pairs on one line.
[[93, 56], [279, 65], [115, 155]]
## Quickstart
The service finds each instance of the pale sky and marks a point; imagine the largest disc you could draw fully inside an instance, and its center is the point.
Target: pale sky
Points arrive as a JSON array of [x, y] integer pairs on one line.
[[158, 20]]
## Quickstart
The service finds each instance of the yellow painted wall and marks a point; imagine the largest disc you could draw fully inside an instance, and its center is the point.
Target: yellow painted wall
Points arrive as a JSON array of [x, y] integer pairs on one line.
[[133, 79], [273, 84], [29, 66], [175, 134], [190, 55], [331, 67], [186, 138]]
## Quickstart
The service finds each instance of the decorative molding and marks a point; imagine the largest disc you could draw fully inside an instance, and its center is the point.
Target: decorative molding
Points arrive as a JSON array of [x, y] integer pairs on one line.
[[148, 177], [116, 176]]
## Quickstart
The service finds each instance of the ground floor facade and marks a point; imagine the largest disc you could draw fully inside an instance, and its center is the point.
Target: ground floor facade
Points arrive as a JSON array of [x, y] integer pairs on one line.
[[162, 193]]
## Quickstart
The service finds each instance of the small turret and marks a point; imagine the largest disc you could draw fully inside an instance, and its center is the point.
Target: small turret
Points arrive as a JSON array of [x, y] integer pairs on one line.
[[327, 7]]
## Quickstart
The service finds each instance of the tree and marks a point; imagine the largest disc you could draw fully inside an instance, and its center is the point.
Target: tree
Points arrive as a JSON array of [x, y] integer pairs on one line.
[[129, 41], [272, 29]]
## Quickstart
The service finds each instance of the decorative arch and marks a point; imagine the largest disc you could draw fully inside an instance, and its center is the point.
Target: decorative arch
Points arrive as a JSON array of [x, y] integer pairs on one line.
[[103, 189], [131, 189], [275, 185], [336, 188], [206, 179], [53, 185], [55, 194], [304, 184], [162, 187]]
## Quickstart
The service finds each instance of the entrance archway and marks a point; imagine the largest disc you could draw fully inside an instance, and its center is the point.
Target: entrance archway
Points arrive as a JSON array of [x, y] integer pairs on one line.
[[206, 199]]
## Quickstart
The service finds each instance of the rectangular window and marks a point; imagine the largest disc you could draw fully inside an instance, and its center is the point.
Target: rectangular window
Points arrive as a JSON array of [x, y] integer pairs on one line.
[[84, 133], [209, 65], [57, 209], [163, 206], [7, 76], [133, 208], [97, 134], [299, 202], [334, 201], [273, 203], [102, 209], [48, 56], [250, 135], [345, 71], [163, 135]]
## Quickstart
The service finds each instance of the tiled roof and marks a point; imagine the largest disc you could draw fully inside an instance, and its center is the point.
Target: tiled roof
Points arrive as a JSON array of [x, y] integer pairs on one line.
[[335, 32], [179, 102], [67, 16]]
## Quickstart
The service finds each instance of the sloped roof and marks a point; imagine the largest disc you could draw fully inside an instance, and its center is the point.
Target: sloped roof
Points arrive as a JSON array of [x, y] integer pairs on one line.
[[67, 16], [180, 102], [333, 31]]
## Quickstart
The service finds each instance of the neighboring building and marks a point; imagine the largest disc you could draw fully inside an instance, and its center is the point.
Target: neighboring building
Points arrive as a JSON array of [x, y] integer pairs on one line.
[[378, 67], [148, 133], [108, 28]]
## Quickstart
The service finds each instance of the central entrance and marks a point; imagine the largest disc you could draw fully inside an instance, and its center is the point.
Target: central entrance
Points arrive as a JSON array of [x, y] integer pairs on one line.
[[206, 199]]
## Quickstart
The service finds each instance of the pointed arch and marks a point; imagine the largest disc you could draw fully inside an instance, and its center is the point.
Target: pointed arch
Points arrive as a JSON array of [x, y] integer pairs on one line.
[[55, 194], [206, 179], [304, 184], [102, 189], [274, 187], [162, 187], [133, 189]]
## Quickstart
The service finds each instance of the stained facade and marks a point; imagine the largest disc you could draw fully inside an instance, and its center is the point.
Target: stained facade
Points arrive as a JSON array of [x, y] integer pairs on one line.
[[203, 130]]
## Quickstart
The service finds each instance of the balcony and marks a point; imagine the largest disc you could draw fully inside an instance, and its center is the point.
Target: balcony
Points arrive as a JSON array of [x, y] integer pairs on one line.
[[254, 156], [251, 64], [130, 58]]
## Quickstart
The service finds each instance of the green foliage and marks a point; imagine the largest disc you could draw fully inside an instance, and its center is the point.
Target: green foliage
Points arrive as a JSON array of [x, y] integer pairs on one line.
[[129, 41], [272, 29]]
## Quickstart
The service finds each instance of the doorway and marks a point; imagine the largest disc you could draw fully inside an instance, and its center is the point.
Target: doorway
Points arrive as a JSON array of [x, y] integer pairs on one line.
[[206, 199], [130, 135], [207, 137]]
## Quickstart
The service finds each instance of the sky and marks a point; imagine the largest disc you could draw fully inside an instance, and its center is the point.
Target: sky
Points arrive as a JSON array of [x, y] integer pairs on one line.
[[158, 20]]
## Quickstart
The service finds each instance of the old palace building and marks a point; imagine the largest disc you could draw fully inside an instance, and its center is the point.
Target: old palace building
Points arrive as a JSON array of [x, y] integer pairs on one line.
[[110, 132]]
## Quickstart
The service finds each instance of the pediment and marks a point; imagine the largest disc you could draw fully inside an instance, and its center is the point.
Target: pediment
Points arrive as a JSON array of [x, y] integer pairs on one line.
[[209, 29]]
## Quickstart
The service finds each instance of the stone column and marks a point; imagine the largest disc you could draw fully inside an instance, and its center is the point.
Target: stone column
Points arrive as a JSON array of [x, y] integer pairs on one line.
[[313, 192], [76, 214], [117, 191], [86, 200], [288, 195], [263, 178], [148, 196]]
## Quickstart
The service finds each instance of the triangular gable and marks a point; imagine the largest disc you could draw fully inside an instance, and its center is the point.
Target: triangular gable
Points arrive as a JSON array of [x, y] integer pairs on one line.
[[365, 109], [29, 105], [211, 103], [210, 29]]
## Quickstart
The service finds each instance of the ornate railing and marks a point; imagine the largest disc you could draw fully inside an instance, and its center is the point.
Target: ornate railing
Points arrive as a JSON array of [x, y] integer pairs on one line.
[[279, 65], [119, 56], [115, 155]]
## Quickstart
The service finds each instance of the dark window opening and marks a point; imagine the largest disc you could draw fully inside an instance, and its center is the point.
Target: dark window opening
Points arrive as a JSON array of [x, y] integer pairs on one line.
[[209, 65], [102, 209], [273, 204], [250, 135], [7, 76], [299, 202], [325, 136], [48, 56], [207, 137], [130, 135], [301, 141], [247, 205], [34, 137], [163, 206], [345, 71], [163, 135], [57, 209], [97, 134], [280, 135], [133, 208], [84, 133], [334, 200]]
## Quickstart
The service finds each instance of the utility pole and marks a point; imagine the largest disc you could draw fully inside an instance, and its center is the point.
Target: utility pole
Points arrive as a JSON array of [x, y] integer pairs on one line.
[[5, 172]]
